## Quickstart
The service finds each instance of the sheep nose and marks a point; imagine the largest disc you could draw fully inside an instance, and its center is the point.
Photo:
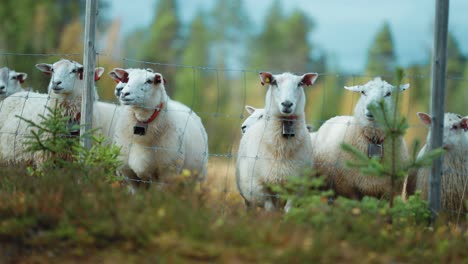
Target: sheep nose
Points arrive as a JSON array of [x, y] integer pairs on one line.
[[2, 87], [57, 83], [125, 94], [287, 104], [243, 129], [369, 115], [118, 91]]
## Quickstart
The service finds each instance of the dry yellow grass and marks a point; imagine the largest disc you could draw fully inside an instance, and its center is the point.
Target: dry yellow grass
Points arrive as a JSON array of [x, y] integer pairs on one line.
[[221, 183]]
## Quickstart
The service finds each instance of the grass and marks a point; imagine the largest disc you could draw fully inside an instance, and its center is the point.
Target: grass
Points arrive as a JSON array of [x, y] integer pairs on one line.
[[63, 217]]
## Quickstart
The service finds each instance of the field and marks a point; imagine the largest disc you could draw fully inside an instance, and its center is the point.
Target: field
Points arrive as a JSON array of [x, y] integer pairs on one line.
[[63, 217]]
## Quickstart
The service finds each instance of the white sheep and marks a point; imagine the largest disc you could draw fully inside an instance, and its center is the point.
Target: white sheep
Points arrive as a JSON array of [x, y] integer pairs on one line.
[[158, 136], [363, 133], [254, 115], [104, 114], [278, 145], [10, 82], [454, 181], [64, 89]]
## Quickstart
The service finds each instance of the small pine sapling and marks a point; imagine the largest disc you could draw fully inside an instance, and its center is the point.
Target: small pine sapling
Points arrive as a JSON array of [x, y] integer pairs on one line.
[[394, 126]]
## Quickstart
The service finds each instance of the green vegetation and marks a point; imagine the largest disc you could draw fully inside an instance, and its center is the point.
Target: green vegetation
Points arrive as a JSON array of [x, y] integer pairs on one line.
[[394, 126], [382, 59], [70, 210], [219, 37], [63, 216], [55, 138]]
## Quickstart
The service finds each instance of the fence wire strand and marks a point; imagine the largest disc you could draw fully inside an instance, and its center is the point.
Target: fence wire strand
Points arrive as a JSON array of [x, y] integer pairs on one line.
[[236, 116]]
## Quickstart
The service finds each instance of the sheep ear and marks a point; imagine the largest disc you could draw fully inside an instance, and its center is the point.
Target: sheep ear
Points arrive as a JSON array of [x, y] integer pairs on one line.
[[309, 78], [80, 71], [121, 74], [21, 76], [266, 77], [464, 123], [98, 73], [45, 68], [250, 109], [404, 87], [425, 118], [356, 88], [114, 76]]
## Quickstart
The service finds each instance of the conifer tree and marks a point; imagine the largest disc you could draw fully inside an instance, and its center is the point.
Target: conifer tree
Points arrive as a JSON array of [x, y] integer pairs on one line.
[[381, 59], [195, 53]]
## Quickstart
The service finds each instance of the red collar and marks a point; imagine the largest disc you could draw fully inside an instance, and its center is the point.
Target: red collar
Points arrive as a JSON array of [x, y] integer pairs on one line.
[[291, 117], [154, 115]]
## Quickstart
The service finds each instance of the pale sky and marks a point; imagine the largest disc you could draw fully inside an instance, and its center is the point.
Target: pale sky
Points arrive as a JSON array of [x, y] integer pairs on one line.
[[344, 28]]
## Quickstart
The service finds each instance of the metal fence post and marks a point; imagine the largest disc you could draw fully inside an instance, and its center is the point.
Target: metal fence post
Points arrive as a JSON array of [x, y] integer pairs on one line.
[[89, 62], [439, 70]]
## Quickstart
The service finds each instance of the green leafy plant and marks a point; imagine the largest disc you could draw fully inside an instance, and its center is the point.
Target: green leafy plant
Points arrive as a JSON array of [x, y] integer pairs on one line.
[[310, 202], [55, 138], [312, 205], [52, 137], [101, 156]]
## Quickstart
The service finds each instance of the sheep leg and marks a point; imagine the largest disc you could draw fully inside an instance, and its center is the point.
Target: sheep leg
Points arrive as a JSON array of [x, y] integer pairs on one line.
[[270, 205], [248, 205], [288, 205], [131, 178], [409, 184]]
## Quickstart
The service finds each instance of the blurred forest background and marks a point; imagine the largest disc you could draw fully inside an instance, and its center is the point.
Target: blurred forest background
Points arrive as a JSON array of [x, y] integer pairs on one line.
[[196, 59]]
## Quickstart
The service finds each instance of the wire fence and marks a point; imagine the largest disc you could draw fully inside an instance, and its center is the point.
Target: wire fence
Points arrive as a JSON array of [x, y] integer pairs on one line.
[[218, 96]]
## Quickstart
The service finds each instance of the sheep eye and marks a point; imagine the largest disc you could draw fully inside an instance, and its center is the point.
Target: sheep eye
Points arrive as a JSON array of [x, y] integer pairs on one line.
[[273, 82], [73, 71], [13, 77], [149, 81], [455, 127], [300, 84], [459, 116], [363, 93], [260, 117], [388, 94]]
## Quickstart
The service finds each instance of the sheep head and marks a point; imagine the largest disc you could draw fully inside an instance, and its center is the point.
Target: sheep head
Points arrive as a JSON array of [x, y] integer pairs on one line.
[[285, 96], [255, 114], [10, 81], [120, 76], [144, 88], [455, 129], [66, 76], [372, 93]]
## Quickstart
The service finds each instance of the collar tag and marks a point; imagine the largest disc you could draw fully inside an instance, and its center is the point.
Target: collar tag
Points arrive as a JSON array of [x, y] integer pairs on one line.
[[288, 128], [140, 128], [375, 150]]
